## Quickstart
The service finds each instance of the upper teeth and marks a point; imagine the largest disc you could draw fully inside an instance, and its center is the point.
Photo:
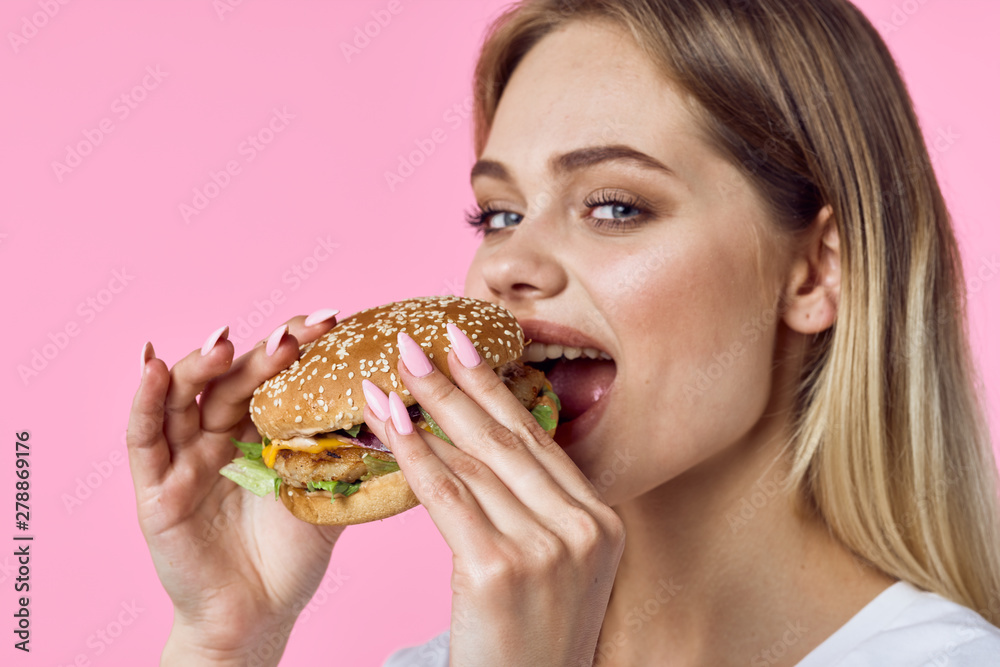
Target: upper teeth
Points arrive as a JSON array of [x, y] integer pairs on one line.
[[543, 351]]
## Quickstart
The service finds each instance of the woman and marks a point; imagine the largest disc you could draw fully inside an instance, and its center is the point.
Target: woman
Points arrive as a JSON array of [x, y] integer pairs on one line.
[[734, 201]]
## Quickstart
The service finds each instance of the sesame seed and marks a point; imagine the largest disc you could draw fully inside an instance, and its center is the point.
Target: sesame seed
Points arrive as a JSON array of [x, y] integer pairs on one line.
[[350, 376], [348, 392], [298, 419]]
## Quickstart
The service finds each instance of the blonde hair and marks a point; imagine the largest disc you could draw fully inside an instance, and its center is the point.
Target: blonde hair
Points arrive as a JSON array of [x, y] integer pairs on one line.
[[891, 445]]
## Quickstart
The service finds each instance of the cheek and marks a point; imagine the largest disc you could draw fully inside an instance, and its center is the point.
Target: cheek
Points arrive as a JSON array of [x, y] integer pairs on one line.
[[698, 339]]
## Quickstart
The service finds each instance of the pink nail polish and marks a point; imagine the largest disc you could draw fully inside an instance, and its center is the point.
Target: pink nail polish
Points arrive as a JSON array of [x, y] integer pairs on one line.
[[147, 354], [413, 355], [464, 348], [219, 333], [275, 340], [400, 418], [320, 316], [377, 400]]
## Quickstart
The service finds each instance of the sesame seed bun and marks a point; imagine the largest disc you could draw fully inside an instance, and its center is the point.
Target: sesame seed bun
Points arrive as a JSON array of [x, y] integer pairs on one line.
[[321, 391]]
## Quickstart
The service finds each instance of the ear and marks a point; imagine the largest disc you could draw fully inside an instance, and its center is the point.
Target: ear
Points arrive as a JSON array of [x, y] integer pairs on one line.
[[812, 291]]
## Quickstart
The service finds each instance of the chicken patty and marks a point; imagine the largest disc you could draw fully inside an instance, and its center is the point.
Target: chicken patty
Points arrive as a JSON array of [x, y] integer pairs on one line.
[[296, 468], [522, 380]]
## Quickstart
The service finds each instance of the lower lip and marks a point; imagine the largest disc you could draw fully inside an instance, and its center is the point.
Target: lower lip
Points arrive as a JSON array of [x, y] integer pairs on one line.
[[573, 431]]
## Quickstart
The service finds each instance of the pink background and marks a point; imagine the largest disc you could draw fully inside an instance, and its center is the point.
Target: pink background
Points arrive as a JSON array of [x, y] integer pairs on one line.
[[319, 184]]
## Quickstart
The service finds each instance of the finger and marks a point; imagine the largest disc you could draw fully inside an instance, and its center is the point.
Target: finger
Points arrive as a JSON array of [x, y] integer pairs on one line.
[[225, 401], [451, 505], [484, 387], [148, 450], [187, 378], [492, 395], [494, 428], [499, 506]]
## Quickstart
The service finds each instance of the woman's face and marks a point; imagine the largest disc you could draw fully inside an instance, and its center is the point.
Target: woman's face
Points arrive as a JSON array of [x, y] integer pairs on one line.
[[658, 268]]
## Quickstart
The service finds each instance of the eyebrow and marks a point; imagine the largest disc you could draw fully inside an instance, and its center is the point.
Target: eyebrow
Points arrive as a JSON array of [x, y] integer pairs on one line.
[[576, 160]]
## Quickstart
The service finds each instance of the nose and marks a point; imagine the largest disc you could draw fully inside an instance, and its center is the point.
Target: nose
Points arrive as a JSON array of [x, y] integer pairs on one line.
[[520, 269]]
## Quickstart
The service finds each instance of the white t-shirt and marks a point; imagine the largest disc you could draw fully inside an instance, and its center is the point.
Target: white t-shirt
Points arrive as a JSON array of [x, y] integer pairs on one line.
[[902, 627]]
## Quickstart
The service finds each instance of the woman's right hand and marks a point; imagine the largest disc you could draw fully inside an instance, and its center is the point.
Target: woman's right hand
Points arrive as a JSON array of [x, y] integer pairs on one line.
[[237, 567]]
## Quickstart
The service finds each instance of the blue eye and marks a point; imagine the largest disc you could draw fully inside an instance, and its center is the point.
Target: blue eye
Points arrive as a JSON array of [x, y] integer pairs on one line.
[[488, 220], [499, 219], [617, 211], [611, 209]]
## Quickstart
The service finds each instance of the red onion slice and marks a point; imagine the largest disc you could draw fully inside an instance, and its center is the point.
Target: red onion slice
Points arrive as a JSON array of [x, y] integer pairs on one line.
[[369, 440]]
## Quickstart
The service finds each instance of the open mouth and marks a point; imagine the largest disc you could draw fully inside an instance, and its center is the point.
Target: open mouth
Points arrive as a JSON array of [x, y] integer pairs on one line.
[[579, 376]]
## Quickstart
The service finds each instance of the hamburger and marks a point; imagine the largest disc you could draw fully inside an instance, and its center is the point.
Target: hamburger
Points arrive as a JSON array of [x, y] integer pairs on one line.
[[317, 454]]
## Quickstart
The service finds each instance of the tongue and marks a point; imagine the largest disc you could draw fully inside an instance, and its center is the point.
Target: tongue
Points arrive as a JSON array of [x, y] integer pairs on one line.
[[579, 383]]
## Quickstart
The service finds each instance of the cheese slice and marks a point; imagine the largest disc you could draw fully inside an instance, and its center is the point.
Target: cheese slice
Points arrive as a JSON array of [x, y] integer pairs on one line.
[[302, 444], [312, 445]]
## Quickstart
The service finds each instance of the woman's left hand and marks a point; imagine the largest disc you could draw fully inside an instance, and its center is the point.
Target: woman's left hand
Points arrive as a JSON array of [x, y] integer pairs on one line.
[[535, 548]]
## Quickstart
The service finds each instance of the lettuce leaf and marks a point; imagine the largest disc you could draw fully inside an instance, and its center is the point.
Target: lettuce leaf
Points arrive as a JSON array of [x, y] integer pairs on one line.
[[334, 487], [252, 475], [353, 432], [378, 467], [435, 429], [551, 394], [543, 415], [251, 450]]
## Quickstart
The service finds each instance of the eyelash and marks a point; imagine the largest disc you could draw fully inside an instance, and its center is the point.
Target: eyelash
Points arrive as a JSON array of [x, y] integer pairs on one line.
[[477, 217]]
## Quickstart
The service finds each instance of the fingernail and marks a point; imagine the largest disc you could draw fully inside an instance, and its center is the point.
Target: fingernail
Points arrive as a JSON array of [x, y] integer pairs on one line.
[[147, 354], [464, 348], [413, 355], [221, 332], [320, 316], [400, 418], [274, 340], [377, 400]]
